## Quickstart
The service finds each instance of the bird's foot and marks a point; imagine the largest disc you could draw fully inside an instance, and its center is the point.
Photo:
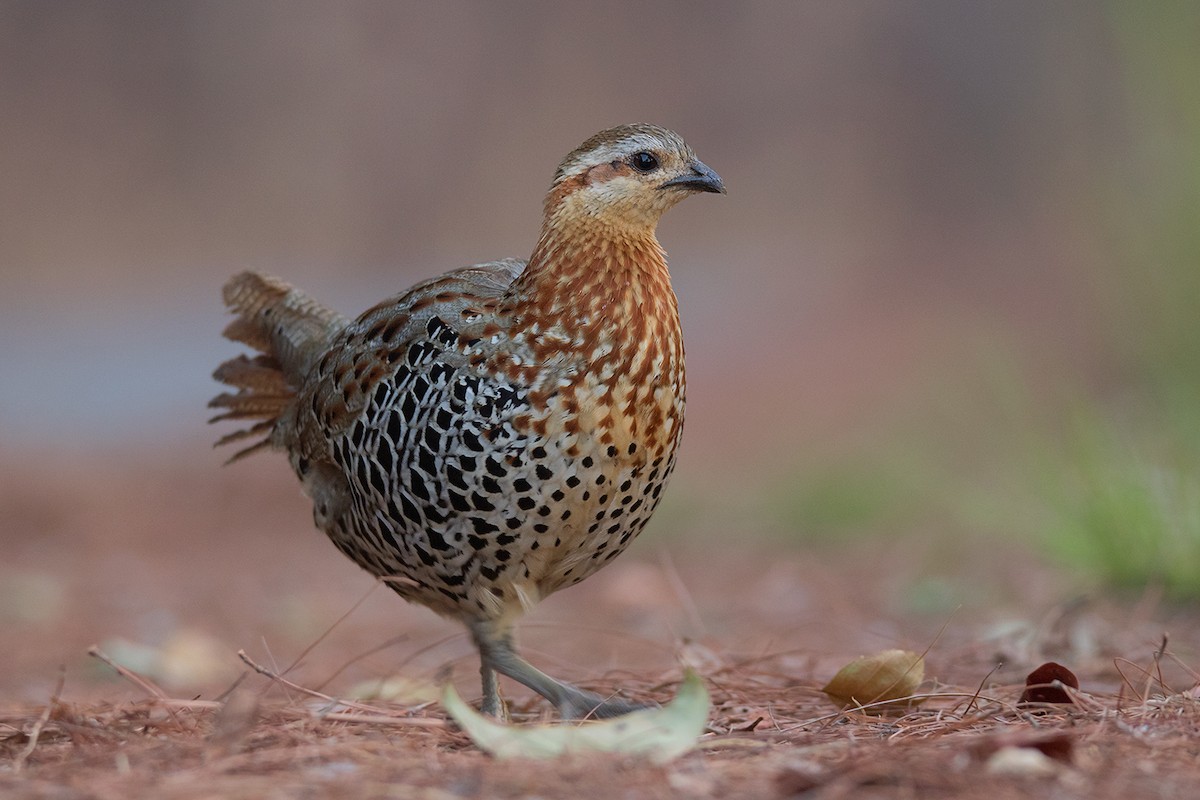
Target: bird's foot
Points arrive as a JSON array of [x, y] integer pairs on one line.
[[578, 704], [498, 656], [494, 707]]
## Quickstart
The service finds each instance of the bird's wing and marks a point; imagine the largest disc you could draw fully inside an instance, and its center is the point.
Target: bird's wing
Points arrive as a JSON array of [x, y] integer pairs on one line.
[[371, 348]]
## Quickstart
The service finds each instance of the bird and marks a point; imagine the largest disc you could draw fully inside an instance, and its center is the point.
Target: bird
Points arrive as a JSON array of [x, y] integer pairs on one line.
[[499, 432]]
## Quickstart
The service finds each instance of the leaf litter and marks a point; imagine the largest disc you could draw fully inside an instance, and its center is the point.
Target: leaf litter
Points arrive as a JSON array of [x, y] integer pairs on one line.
[[766, 733]]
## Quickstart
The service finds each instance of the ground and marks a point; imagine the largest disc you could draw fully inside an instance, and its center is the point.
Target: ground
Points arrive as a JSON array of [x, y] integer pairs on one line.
[[171, 566]]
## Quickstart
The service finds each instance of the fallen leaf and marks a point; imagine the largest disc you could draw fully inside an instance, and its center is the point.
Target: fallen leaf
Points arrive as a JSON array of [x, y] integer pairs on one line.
[[886, 678], [191, 658], [396, 689], [1045, 685], [187, 658], [1024, 762], [661, 734], [1056, 745]]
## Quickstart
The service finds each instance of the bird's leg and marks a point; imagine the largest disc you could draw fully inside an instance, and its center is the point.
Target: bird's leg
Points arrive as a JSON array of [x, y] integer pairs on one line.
[[492, 702], [498, 655]]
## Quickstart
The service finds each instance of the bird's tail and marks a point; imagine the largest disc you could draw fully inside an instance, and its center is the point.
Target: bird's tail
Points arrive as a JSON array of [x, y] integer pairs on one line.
[[290, 331]]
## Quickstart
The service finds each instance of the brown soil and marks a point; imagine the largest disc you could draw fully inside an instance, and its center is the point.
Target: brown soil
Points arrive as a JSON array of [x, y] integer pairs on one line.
[[181, 566]]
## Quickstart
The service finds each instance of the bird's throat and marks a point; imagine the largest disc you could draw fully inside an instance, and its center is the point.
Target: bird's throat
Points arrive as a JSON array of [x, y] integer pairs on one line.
[[600, 281], [598, 326]]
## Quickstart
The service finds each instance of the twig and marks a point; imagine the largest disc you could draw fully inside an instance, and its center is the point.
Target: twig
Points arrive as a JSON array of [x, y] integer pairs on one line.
[[979, 689], [330, 629], [382, 719], [192, 705], [142, 683], [415, 654], [36, 731], [681, 592], [1081, 699], [881, 703], [225, 694], [372, 710], [1158, 657], [275, 664], [378, 648], [275, 676]]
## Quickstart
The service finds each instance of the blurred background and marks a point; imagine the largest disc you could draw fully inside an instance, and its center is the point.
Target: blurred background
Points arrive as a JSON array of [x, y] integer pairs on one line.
[[943, 333]]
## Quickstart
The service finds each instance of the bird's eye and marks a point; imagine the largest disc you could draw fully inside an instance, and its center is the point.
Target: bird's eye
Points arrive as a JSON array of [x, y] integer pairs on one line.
[[644, 162]]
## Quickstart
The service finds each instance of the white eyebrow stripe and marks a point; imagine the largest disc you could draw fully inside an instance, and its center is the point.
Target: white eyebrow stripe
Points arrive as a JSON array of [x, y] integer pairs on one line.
[[615, 151]]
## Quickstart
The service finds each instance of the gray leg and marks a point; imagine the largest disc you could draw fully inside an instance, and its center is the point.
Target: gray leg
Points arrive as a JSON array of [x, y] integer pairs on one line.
[[498, 655], [492, 704]]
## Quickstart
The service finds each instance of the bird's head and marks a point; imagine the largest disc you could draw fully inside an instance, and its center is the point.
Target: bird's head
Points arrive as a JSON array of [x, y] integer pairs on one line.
[[625, 178]]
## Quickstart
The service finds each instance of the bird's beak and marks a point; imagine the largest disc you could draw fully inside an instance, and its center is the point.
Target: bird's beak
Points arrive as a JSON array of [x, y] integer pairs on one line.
[[698, 178]]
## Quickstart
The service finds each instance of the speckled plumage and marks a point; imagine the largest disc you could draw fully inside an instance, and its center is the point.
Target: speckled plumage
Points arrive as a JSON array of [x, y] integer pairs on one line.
[[502, 431]]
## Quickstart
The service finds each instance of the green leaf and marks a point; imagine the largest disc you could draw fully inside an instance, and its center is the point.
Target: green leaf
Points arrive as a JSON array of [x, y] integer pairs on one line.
[[660, 734]]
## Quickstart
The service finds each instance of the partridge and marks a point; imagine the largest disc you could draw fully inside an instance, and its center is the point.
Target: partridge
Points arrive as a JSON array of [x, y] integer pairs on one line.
[[499, 432]]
